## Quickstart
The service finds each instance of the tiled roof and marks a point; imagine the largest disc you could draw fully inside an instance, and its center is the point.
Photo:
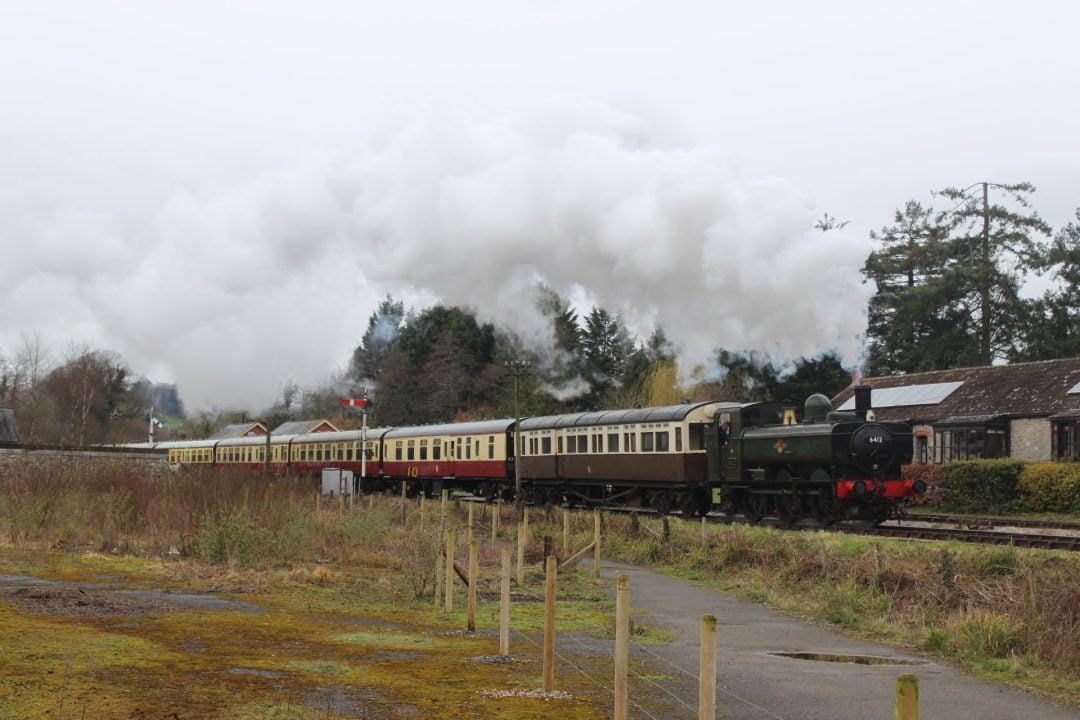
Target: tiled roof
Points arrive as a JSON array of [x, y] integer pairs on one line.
[[302, 427], [1035, 389], [239, 430], [8, 432]]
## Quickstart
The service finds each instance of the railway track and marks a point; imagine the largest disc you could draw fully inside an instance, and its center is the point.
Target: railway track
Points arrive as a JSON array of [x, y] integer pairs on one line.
[[977, 522], [985, 537], [962, 534]]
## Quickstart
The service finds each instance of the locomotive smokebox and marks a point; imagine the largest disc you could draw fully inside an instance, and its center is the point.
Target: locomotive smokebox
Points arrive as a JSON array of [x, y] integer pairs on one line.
[[862, 401]]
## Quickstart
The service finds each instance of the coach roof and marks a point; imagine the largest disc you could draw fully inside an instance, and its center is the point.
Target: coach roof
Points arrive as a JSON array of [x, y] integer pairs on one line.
[[666, 413], [481, 427]]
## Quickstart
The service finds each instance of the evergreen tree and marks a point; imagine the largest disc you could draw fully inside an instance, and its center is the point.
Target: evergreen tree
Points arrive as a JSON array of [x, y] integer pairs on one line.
[[1053, 326], [605, 344], [994, 246], [908, 312], [383, 325], [948, 283]]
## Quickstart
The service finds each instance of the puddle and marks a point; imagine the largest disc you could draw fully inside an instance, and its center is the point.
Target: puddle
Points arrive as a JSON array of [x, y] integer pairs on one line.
[[856, 659], [10, 582], [382, 655], [340, 701], [259, 673], [51, 597]]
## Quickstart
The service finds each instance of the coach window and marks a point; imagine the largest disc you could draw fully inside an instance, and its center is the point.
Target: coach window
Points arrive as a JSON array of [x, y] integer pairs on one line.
[[678, 439], [468, 449], [559, 446], [545, 445], [476, 449], [646, 442], [423, 449], [397, 450], [613, 442], [491, 447], [436, 449], [410, 450], [662, 441], [597, 443]]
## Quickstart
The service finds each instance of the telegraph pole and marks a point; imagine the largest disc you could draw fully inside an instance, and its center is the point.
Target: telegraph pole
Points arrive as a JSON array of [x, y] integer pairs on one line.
[[517, 368]]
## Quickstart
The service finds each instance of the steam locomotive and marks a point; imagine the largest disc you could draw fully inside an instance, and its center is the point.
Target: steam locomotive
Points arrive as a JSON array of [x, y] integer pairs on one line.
[[741, 459]]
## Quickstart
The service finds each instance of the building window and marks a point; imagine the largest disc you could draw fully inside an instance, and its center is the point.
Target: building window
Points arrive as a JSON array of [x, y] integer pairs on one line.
[[1065, 440], [964, 443]]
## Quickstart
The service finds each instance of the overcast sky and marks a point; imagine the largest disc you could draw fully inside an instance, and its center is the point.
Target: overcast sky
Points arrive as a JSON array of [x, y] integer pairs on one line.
[[222, 191]]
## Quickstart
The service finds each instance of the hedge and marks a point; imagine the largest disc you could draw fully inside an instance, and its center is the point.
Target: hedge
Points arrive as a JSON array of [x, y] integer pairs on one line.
[[982, 486], [1051, 487]]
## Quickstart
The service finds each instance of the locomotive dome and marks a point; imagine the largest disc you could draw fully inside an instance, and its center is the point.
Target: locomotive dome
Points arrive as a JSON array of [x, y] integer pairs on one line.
[[817, 407]]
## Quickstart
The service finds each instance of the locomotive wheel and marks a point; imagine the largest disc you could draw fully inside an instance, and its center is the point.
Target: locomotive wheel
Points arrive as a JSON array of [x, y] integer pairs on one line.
[[688, 504], [826, 506], [756, 506], [790, 507], [661, 502]]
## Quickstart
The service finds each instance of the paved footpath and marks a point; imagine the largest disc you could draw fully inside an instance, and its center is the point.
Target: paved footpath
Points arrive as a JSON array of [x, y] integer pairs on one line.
[[754, 685]]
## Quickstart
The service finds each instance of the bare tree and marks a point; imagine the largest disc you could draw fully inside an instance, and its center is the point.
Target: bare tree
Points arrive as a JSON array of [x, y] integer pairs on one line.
[[31, 368]]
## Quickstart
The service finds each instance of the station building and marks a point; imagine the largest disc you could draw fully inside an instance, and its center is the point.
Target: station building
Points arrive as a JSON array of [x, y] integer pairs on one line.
[[1028, 411]]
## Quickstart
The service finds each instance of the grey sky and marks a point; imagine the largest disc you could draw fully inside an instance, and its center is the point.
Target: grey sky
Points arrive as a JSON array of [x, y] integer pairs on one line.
[[133, 135]]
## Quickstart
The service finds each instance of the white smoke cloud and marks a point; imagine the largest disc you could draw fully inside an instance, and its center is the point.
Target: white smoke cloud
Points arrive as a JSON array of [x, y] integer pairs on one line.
[[232, 293]]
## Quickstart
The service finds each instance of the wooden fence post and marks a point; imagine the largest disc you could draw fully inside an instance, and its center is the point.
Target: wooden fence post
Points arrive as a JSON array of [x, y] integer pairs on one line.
[[907, 697], [495, 521], [707, 670], [522, 539], [549, 624], [472, 509], [622, 643], [596, 541], [442, 507], [474, 572], [448, 607], [566, 533], [504, 608], [438, 578]]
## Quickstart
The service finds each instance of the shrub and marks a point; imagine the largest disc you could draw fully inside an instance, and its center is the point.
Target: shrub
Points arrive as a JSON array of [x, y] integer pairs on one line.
[[987, 634], [981, 486], [231, 538], [1051, 487]]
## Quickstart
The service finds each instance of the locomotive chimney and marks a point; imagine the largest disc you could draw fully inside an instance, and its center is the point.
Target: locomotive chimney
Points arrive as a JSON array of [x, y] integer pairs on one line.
[[862, 401]]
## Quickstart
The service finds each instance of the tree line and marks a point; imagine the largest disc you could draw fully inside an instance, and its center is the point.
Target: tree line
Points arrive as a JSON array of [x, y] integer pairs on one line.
[[80, 396]]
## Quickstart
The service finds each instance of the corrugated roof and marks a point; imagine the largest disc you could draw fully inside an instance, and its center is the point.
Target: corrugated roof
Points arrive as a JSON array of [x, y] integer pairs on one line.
[[8, 432], [928, 394], [1035, 389]]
